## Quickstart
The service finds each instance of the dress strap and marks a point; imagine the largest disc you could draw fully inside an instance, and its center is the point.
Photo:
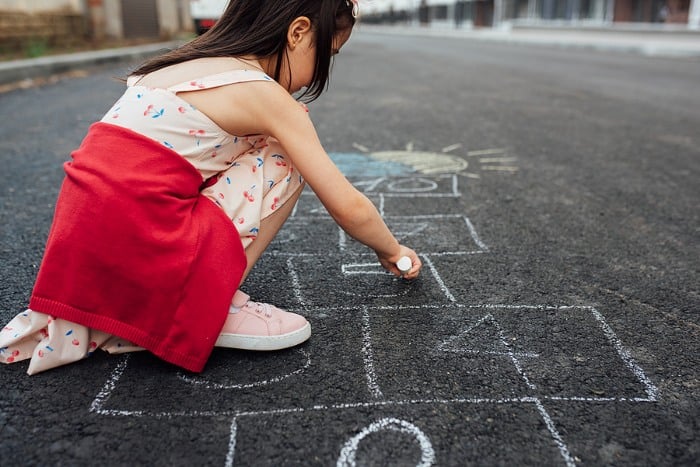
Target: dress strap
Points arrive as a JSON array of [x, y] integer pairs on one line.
[[220, 79]]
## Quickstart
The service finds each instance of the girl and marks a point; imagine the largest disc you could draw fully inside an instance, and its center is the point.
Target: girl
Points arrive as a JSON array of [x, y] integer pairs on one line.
[[174, 195]]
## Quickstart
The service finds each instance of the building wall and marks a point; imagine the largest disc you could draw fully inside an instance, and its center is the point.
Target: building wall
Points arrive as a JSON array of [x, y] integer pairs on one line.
[[477, 13], [109, 18], [33, 6], [33, 26]]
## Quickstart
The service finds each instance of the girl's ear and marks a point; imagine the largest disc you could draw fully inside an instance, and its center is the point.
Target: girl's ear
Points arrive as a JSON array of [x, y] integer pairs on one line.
[[298, 30]]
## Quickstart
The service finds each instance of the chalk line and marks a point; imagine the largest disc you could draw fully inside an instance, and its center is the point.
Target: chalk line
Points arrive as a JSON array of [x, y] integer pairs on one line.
[[485, 152], [368, 357], [356, 405], [200, 381], [474, 235], [511, 355], [563, 449], [651, 390], [111, 383], [442, 347], [439, 280], [233, 432], [296, 285]]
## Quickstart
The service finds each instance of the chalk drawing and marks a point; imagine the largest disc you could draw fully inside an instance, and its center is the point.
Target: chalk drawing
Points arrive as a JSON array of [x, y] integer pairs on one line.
[[408, 160], [368, 357], [441, 283], [561, 445], [403, 176], [206, 382], [349, 450], [463, 342]]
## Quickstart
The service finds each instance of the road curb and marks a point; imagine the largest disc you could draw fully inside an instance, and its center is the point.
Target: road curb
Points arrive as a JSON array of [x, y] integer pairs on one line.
[[19, 70], [650, 43]]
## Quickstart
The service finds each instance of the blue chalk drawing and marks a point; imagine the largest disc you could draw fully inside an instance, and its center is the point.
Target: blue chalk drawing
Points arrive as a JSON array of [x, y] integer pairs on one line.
[[354, 164]]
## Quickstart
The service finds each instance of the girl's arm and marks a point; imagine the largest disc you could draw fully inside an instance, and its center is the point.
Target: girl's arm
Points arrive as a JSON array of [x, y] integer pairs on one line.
[[351, 209]]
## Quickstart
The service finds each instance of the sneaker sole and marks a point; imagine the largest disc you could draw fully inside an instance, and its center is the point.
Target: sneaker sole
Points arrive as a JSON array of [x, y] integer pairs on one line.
[[247, 342]]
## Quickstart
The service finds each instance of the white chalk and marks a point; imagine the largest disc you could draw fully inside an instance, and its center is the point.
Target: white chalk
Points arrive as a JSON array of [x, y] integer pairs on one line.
[[404, 264]]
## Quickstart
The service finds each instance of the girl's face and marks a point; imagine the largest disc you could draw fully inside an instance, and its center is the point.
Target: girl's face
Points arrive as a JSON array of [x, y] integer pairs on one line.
[[302, 58]]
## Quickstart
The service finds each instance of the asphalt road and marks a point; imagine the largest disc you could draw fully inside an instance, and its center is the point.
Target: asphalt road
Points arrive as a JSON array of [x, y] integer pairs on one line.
[[553, 195]]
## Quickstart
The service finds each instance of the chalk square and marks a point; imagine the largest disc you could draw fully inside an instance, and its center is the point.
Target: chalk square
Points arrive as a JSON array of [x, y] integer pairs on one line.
[[578, 354], [436, 361], [310, 207], [487, 433], [420, 206], [500, 352], [306, 236], [328, 368], [436, 234], [357, 281]]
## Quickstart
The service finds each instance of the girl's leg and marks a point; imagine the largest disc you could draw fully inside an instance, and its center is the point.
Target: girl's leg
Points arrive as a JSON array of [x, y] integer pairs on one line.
[[259, 326], [269, 226], [258, 193]]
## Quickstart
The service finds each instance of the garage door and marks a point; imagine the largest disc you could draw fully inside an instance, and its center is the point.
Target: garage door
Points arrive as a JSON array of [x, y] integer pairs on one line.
[[140, 18]]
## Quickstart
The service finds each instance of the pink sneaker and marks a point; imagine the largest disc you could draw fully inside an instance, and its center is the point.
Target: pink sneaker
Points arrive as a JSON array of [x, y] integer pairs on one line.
[[259, 326]]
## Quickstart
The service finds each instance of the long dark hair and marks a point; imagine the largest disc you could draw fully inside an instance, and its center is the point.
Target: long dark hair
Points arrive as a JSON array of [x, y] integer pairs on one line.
[[259, 28]]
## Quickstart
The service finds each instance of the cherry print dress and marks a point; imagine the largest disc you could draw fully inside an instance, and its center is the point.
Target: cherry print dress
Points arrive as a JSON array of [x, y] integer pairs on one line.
[[247, 177]]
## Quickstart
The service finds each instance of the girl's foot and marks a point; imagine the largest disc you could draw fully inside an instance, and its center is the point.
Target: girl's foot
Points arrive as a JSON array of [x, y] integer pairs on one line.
[[259, 326]]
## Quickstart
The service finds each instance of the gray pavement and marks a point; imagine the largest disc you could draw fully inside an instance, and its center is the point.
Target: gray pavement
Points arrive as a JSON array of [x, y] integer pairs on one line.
[[552, 193]]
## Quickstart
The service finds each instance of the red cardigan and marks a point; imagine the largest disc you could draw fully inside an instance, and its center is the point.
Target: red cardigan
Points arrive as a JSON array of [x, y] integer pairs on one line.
[[136, 251]]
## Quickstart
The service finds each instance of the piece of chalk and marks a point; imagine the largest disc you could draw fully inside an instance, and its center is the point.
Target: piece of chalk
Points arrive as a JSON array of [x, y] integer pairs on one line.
[[404, 264]]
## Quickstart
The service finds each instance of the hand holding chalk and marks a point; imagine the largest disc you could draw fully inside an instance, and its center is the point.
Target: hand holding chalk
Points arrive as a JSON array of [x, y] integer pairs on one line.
[[404, 264]]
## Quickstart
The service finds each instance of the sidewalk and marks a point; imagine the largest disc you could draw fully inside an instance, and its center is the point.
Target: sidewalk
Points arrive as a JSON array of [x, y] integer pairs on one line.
[[646, 41], [652, 42]]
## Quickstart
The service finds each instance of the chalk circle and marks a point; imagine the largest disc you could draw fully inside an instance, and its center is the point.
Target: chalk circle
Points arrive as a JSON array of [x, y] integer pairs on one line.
[[208, 384], [349, 450], [418, 184]]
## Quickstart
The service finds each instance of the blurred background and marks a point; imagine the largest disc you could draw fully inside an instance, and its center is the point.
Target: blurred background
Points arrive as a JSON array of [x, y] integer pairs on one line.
[[31, 28]]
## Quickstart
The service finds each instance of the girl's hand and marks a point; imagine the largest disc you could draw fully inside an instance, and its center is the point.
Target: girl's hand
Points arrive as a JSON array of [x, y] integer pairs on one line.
[[389, 263]]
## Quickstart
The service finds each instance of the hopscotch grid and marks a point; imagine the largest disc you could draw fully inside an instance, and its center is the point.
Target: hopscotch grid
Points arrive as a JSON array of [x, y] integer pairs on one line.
[[101, 399]]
